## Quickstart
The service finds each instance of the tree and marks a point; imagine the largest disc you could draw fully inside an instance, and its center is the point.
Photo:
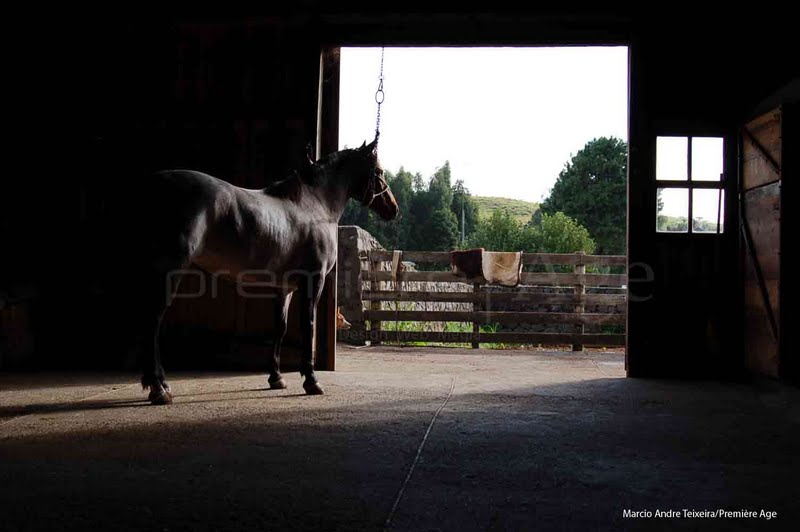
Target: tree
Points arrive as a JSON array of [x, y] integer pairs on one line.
[[440, 187], [431, 212], [436, 227], [462, 199], [397, 232], [500, 232], [560, 234], [554, 234], [441, 232], [592, 189]]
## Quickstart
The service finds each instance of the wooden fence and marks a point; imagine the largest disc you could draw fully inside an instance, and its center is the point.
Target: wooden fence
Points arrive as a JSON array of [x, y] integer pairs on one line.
[[571, 292]]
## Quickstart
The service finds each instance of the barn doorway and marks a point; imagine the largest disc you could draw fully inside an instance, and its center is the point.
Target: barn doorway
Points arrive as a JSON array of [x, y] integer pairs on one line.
[[487, 148]]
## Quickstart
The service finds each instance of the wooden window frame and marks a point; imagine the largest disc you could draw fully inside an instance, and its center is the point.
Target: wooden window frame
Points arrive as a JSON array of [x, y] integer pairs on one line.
[[690, 185]]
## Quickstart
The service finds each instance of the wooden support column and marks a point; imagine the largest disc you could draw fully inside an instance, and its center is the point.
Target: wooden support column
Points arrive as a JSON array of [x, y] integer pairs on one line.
[[580, 289], [477, 306], [375, 325], [327, 141]]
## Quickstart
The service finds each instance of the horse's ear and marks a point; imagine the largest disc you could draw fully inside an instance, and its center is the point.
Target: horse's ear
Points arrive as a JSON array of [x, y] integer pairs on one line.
[[372, 147], [363, 145]]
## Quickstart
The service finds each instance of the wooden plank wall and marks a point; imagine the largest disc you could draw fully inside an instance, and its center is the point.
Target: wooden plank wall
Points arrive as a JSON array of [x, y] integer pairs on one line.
[[683, 291], [99, 102], [235, 99], [761, 183], [259, 85]]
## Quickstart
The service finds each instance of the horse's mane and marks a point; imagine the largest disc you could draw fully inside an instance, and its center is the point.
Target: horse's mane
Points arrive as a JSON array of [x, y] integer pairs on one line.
[[291, 187]]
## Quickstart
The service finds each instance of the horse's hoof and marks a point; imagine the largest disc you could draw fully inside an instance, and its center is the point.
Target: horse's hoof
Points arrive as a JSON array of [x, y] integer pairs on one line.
[[313, 388], [279, 384], [160, 397]]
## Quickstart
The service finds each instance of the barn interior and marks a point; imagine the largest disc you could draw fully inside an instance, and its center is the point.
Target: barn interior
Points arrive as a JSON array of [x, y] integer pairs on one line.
[[701, 413]]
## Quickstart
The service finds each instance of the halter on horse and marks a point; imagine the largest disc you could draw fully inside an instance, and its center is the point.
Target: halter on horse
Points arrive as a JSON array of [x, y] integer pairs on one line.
[[283, 236]]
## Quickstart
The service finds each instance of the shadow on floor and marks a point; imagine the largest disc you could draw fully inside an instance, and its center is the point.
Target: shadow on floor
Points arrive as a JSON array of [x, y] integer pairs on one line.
[[561, 456]]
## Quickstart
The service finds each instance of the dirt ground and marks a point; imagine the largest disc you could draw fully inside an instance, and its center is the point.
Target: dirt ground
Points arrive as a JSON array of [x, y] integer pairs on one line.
[[520, 441]]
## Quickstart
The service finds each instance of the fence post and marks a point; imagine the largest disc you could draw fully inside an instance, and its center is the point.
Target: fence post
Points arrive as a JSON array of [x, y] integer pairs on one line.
[[349, 285], [375, 325], [580, 289], [477, 306]]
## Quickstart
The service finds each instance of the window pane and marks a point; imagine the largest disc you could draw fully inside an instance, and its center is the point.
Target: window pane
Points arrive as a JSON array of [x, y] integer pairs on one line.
[[673, 210], [706, 158], [708, 206], [671, 158]]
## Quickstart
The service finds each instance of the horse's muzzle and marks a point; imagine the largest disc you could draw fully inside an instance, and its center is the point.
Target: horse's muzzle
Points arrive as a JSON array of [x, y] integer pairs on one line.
[[385, 205], [388, 213]]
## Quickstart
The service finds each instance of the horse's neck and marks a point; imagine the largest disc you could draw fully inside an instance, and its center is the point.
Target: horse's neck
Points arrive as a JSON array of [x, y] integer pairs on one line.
[[334, 196], [332, 190]]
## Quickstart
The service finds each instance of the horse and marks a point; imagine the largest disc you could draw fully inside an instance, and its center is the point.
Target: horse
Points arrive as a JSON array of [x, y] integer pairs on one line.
[[283, 236]]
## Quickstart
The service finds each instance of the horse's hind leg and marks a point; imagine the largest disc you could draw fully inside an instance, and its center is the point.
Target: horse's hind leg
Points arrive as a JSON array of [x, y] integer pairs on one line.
[[311, 294], [281, 311]]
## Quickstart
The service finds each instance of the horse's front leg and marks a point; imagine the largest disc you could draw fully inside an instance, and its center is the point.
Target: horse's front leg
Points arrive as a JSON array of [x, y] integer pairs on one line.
[[311, 293], [281, 315], [154, 298], [153, 376]]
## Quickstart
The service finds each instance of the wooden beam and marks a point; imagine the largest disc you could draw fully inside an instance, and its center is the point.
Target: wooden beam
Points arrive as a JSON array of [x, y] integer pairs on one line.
[[552, 279], [484, 317], [510, 338], [567, 259], [517, 295]]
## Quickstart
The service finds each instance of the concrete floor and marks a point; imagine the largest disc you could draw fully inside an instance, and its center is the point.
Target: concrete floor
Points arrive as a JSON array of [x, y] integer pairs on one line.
[[525, 441]]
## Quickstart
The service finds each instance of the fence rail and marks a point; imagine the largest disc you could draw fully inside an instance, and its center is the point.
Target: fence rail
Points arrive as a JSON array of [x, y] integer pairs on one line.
[[569, 259], [487, 317], [601, 340], [618, 300], [573, 306], [531, 279]]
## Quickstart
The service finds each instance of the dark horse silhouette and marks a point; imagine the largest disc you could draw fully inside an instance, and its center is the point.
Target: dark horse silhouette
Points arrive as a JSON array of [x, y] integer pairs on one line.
[[283, 236]]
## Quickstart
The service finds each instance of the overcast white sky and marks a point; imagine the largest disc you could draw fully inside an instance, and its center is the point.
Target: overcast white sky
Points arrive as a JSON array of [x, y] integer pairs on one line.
[[507, 119]]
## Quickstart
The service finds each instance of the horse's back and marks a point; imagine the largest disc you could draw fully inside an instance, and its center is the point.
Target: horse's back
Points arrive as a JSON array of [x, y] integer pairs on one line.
[[162, 216], [184, 191]]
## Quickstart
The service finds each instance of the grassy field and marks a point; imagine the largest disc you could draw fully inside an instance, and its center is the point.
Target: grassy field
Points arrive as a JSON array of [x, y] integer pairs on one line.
[[521, 210]]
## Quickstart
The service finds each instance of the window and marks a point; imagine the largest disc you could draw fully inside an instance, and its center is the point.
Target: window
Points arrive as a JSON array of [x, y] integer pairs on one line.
[[689, 179]]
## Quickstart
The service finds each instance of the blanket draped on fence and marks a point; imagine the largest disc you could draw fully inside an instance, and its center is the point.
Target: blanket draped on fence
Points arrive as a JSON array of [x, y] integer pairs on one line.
[[495, 267]]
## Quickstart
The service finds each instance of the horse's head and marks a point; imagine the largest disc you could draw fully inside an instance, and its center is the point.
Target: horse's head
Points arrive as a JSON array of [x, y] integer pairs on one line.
[[368, 184]]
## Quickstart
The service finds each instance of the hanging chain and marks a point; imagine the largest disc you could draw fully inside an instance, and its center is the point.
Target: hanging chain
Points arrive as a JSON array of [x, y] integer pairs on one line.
[[379, 97]]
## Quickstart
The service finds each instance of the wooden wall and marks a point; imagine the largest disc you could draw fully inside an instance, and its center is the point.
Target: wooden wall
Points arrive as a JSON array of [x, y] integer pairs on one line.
[[236, 99], [761, 190], [685, 314], [235, 95]]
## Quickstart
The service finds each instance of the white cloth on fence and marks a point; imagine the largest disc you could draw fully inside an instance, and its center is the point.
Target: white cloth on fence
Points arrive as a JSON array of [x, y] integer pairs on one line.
[[502, 267]]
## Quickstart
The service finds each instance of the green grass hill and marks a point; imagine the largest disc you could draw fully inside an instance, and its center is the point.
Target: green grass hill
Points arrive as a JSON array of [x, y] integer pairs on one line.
[[519, 209]]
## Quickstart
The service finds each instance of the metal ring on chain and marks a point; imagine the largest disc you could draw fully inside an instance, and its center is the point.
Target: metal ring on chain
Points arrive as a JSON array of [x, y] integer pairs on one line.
[[380, 96]]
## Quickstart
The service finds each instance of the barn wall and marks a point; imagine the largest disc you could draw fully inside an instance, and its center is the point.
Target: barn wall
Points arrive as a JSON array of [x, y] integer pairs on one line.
[[687, 318], [685, 307], [236, 99], [236, 96], [761, 190], [790, 351]]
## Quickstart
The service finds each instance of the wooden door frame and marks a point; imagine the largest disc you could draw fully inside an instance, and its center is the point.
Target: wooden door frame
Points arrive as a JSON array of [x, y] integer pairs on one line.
[[327, 141]]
